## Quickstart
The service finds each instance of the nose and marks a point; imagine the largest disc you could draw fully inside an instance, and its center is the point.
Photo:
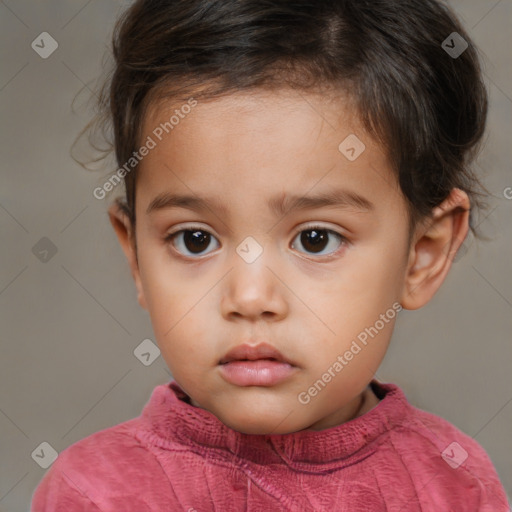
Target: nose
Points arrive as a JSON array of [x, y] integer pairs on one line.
[[254, 291]]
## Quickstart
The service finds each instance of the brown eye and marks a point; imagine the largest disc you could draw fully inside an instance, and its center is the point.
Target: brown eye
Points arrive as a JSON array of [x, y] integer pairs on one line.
[[316, 239], [191, 242]]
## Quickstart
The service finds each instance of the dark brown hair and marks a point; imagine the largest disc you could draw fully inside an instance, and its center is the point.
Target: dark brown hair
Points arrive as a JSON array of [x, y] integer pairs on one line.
[[427, 107]]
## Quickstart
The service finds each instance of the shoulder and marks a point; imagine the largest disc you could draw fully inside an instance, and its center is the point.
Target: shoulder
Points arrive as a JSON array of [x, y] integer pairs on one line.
[[103, 471], [436, 434], [105, 449], [445, 462]]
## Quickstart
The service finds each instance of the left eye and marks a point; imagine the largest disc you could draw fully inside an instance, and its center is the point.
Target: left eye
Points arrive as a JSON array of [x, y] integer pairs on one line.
[[315, 239], [192, 241]]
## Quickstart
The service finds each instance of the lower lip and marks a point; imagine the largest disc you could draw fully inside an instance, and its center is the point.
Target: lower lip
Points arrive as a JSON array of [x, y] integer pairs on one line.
[[262, 372]]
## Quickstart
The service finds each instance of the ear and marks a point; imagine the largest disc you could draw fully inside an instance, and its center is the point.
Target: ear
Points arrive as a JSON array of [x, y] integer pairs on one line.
[[433, 248], [125, 233]]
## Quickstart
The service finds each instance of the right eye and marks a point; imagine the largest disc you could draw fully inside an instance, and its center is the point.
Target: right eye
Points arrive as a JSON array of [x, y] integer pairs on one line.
[[195, 240]]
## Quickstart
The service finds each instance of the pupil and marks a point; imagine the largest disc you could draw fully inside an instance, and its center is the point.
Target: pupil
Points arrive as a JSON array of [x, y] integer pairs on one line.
[[196, 241], [317, 240]]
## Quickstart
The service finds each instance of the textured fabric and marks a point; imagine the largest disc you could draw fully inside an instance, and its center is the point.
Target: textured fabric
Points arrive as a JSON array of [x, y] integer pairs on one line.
[[177, 457]]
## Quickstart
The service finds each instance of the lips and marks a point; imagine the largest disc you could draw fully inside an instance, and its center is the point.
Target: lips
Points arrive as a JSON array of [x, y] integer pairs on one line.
[[253, 353], [260, 365]]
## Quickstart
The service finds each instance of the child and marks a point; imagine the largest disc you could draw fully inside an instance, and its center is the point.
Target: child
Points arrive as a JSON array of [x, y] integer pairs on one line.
[[296, 174]]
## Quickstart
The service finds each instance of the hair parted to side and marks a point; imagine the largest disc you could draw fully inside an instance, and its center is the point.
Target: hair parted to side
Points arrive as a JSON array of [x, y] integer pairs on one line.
[[428, 109]]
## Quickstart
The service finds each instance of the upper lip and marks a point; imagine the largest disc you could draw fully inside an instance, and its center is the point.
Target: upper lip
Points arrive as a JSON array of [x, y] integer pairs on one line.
[[253, 353]]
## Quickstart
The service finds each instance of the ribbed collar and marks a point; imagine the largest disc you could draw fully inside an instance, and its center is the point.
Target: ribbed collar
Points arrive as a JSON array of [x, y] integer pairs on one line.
[[169, 421]]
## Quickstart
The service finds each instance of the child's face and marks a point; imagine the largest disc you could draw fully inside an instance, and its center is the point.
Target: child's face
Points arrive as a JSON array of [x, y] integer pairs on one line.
[[307, 296]]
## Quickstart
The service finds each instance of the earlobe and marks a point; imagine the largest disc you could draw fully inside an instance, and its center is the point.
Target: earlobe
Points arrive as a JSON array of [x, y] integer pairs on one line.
[[434, 246], [124, 231]]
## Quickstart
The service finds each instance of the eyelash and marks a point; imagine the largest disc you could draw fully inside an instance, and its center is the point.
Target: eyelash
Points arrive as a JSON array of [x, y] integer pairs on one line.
[[342, 239]]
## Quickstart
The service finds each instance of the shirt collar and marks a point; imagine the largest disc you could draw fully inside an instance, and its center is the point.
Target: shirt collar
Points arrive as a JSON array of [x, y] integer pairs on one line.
[[171, 422]]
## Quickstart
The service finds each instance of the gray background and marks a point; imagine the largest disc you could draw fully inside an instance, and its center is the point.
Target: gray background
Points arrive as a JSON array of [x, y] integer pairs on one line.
[[70, 325]]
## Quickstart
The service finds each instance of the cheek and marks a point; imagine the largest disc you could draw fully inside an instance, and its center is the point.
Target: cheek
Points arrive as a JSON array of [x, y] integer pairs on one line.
[[366, 286], [377, 272], [180, 327], [359, 312], [176, 307], [168, 294]]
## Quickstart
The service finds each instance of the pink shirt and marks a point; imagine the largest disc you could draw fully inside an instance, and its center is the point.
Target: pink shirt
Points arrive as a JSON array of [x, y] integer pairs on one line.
[[177, 457]]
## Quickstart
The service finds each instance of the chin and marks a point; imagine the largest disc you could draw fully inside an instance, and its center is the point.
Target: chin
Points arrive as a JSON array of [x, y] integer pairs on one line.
[[250, 422], [258, 428]]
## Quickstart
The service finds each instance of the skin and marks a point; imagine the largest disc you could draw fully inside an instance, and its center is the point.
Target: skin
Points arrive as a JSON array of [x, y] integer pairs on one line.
[[243, 149]]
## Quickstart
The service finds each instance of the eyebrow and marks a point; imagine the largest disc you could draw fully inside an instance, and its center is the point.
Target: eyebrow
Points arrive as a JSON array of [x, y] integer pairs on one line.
[[279, 205]]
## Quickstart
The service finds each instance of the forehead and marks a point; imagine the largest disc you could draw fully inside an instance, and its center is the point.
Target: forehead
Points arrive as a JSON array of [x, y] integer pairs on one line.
[[265, 141], [256, 111]]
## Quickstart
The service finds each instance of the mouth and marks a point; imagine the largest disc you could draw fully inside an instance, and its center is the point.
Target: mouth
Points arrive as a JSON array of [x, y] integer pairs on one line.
[[260, 365], [253, 353]]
